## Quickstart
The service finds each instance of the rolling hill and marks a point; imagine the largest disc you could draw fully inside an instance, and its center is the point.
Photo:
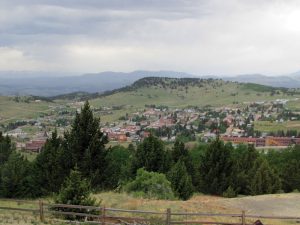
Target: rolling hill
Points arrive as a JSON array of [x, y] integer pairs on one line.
[[183, 92]]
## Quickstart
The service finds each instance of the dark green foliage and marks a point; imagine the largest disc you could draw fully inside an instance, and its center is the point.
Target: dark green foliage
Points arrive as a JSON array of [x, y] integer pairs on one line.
[[16, 179], [5, 148], [48, 166], [152, 155], [85, 146], [229, 193], [75, 191], [216, 168], [117, 171], [264, 179], [287, 162], [244, 157], [262, 88], [181, 181], [291, 175], [150, 185], [179, 152]]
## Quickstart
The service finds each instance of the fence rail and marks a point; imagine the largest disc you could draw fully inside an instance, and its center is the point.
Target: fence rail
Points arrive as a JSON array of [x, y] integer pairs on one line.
[[105, 216]]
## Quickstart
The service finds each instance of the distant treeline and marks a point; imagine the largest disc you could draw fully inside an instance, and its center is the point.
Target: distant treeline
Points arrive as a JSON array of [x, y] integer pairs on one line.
[[149, 170]]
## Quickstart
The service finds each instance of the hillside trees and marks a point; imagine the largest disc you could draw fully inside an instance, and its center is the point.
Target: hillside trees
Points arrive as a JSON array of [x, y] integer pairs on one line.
[[152, 155], [216, 168], [85, 146], [181, 181], [264, 180], [244, 157], [16, 179], [49, 166], [6, 148], [117, 171]]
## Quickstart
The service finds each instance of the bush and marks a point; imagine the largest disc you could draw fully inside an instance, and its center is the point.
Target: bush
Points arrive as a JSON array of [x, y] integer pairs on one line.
[[150, 185], [229, 193]]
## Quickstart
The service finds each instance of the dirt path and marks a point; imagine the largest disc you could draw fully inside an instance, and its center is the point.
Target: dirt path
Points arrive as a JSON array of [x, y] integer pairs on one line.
[[277, 204]]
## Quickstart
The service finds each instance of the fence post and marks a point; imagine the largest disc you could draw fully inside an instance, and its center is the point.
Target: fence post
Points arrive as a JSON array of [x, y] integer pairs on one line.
[[168, 218], [243, 218], [41, 207], [103, 211]]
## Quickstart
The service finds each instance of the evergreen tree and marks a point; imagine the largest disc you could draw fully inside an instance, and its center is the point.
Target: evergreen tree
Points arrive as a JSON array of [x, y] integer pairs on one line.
[[181, 181], [264, 179], [216, 168], [85, 144], [117, 171], [75, 191], [6, 148], [291, 175], [48, 166], [16, 180], [179, 152], [244, 163], [152, 155]]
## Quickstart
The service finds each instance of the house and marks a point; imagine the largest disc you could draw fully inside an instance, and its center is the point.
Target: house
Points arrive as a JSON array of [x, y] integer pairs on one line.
[[35, 145]]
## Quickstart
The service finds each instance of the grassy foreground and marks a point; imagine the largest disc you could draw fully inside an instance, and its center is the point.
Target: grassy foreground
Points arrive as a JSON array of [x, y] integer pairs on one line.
[[271, 205]]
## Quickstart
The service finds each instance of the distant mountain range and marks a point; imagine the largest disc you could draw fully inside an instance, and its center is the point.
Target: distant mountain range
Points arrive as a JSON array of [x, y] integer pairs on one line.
[[50, 84]]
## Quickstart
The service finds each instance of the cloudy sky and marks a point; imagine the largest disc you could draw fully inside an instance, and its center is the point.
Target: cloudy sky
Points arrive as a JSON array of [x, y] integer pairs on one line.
[[195, 36]]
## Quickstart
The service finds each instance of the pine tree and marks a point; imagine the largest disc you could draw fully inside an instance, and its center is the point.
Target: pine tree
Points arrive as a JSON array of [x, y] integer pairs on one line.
[[85, 144], [291, 175], [117, 171], [244, 163], [181, 181], [152, 155], [48, 166], [216, 168], [75, 191], [5, 148], [264, 179], [15, 177], [179, 151]]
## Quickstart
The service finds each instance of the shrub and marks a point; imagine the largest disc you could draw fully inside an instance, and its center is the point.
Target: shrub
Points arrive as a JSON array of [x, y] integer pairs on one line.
[[229, 193], [150, 185]]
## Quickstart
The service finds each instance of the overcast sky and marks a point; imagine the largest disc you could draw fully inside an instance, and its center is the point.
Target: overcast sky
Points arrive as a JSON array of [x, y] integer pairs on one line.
[[194, 36]]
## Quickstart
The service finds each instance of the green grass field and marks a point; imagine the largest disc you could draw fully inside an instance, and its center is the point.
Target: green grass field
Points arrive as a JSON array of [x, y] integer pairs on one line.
[[267, 126], [11, 111]]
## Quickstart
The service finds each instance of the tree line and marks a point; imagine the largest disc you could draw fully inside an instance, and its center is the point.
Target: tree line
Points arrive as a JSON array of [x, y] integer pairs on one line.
[[150, 169]]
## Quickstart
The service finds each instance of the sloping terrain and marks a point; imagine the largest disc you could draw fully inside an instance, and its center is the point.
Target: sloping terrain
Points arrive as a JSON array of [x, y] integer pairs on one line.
[[190, 92]]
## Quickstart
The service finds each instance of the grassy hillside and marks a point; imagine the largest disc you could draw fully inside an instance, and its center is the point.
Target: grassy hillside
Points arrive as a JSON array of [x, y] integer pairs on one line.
[[10, 109], [181, 93], [184, 92]]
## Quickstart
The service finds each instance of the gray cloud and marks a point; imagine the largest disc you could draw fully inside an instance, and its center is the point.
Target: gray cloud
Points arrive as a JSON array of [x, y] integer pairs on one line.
[[198, 36]]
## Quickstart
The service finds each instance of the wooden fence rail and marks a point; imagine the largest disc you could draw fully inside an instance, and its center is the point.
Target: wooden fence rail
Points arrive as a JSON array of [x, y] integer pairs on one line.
[[106, 216]]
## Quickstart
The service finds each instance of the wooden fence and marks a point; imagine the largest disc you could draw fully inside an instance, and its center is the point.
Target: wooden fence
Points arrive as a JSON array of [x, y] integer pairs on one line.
[[110, 216]]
